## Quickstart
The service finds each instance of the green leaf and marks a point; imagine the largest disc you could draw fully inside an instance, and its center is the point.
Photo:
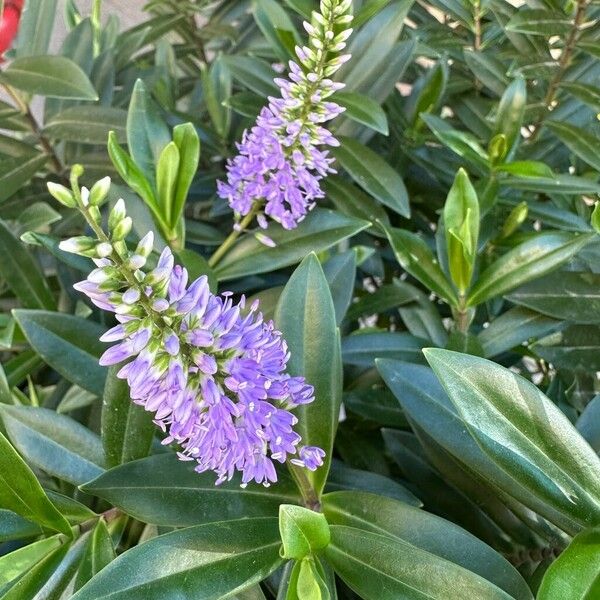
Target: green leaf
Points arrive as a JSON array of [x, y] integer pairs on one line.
[[127, 429], [514, 327], [380, 567], [364, 110], [188, 144], [529, 260], [558, 184], [13, 527], [255, 74], [21, 492], [320, 230], [461, 224], [68, 344], [373, 174], [566, 295], [165, 491], [427, 92], [576, 572], [416, 258], [87, 124], [209, 561], [579, 141], [147, 133], [15, 172], [384, 298], [523, 432], [526, 168], [462, 143], [540, 22], [575, 347], [362, 349], [340, 272], [303, 531], [586, 93], [54, 443], [167, 170], [510, 113], [18, 562], [273, 20], [488, 69], [588, 423], [216, 85], [21, 272], [426, 532], [306, 316], [50, 76], [99, 552], [35, 27]]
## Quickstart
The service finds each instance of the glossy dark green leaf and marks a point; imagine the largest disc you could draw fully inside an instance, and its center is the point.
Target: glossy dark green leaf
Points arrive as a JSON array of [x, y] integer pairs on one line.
[[488, 68], [99, 552], [54, 443], [427, 92], [588, 423], [165, 491], [523, 432], [21, 272], [380, 567], [87, 124], [514, 327], [68, 344], [575, 347], [50, 243], [375, 404], [511, 110], [576, 572], [564, 295], [540, 22], [21, 492], [415, 256], [15, 172], [147, 133], [13, 527], [426, 532], [559, 184], [427, 405], [579, 141], [273, 20], [384, 298], [364, 110], [188, 144], [253, 73], [216, 84], [50, 76], [320, 230], [586, 93], [373, 174], [527, 261], [340, 272], [208, 561], [127, 429], [362, 349], [346, 478], [313, 342]]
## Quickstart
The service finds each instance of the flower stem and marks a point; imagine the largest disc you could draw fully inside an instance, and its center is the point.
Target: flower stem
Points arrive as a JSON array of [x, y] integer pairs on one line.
[[309, 494], [233, 236]]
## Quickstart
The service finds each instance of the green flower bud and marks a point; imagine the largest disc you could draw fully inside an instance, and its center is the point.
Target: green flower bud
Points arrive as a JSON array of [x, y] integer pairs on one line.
[[79, 245], [99, 191], [122, 229], [117, 214]]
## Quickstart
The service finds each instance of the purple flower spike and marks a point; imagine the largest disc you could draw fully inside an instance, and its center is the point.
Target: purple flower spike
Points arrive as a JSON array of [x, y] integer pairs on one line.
[[281, 160], [211, 371]]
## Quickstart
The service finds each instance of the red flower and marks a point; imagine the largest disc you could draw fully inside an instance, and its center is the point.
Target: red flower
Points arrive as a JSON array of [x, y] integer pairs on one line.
[[9, 24]]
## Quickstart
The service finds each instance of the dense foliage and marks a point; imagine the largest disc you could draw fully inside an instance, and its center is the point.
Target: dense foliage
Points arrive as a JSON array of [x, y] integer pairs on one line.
[[442, 299]]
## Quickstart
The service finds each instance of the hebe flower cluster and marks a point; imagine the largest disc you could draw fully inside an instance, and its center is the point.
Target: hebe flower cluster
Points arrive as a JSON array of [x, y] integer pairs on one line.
[[280, 164], [212, 371]]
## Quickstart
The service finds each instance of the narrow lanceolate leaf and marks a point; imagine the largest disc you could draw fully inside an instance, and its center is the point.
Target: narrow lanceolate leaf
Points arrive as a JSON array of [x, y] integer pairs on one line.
[[306, 316], [54, 443], [373, 174], [576, 572], [540, 22], [380, 567], [22, 493], [87, 124], [165, 491], [209, 561], [127, 429], [15, 172], [98, 553], [22, 274], [529, 260], [427, 532], [579, 141], [320, 230], [363, 349], [523, 432], [415, 256], [35, 28], [364, 110], [68, 344], [564, 295], [50, 76]]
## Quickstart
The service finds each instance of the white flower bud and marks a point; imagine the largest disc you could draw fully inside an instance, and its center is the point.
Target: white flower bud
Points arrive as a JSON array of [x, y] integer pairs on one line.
[[145, 245], [117, 214], [62, 194], [104, 250], [99, 191], [77, 245], [122, 229]]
